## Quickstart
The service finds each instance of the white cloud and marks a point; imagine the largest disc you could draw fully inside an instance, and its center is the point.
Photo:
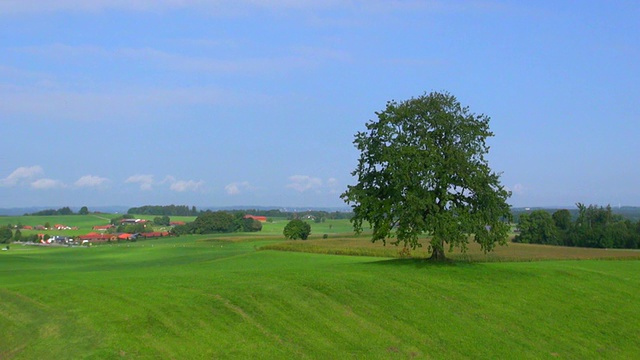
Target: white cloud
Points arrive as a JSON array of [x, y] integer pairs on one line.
[[91, 181], [302, 183], [186, 185], [44, 184], [333, 186], [236, 188], [20, 175], [146, 181], [141, 103]]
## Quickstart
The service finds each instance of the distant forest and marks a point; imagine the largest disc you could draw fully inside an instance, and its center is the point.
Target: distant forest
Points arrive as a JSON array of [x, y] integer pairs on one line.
[[168, 210], [596, 227], [183, 210], [627, 212], [62, 211]]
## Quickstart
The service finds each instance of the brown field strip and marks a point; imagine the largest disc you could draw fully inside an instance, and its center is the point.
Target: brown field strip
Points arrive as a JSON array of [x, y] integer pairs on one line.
[[361, 246]]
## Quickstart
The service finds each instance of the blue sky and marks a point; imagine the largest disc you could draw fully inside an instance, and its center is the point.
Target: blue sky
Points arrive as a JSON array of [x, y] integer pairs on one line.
[[256, 102]]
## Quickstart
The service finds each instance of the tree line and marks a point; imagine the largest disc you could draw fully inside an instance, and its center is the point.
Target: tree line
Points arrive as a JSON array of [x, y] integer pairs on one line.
[[594, 227], [218, 222], [62, 211], [168, 210], [183, 210]]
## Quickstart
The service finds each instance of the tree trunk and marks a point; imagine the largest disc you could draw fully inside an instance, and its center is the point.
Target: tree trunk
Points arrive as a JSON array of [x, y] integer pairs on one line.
[[437, 254]]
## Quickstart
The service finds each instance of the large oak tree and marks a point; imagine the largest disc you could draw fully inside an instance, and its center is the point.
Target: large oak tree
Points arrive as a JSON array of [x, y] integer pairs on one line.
[[422, 170]]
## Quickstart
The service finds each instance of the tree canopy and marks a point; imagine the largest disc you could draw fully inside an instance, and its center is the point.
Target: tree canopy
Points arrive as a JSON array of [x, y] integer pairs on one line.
[[5, 234], [215, 222], [539, 227], [422, 170], [50, 212], [297, 229]]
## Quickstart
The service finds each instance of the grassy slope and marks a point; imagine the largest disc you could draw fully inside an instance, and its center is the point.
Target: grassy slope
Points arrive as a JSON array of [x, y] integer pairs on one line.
[[184, 298]]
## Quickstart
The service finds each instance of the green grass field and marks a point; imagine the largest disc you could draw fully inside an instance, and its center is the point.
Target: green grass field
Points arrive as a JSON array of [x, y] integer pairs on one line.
[[84, 223], [204, 297]]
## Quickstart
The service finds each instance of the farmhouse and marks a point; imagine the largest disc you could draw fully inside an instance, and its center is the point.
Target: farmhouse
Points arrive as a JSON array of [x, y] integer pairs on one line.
[[177, 223], [132, 221], [152, 234], [61, 239], [98, 237], [103, 227], [254, 217]]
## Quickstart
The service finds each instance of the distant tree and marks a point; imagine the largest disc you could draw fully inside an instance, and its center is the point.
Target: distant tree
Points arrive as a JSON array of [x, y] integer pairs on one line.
[[17, 235], [132, 228], [188, 228], [83, 210], [562, 219], [65, 211], [595, 227], [422, 170], [215, 222], [162, 220], [251, 225], [297, 229], [169, 210], [5, 234], [31, 238], [537, 228]]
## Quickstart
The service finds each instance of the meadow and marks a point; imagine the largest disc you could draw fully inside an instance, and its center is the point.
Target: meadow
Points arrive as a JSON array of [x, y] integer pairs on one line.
[[203, 297], [84, 223]]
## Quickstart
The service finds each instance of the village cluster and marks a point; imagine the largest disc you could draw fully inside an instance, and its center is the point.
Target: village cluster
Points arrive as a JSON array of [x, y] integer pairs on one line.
[[100, 233]]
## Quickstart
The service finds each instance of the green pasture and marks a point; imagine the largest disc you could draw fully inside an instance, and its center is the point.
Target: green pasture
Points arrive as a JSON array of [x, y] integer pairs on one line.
[[212, 297], [85, 224], [81, 221]]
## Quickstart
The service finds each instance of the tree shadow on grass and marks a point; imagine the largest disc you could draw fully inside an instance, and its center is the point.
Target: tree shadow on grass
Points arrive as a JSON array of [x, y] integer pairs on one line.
[[419, 263]]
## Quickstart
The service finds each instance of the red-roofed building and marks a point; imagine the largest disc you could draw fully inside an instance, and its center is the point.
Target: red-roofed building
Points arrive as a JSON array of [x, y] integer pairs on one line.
[[154, 234], [98, 237], [103, 227], [176, 223], [254, 217]]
